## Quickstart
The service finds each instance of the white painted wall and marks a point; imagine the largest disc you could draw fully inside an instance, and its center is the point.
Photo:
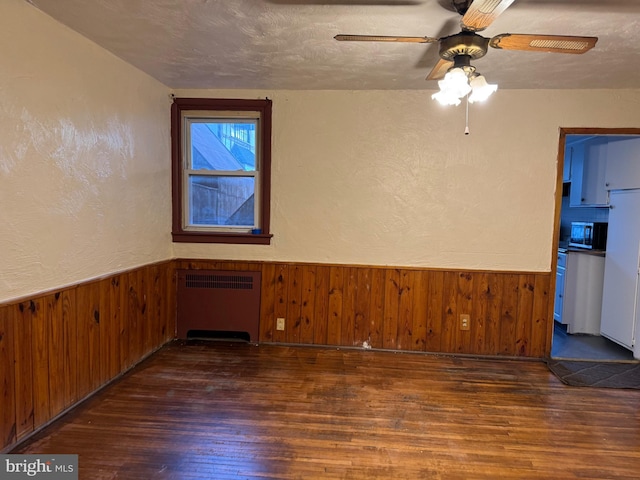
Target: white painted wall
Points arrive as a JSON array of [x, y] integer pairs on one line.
[[84, 158], [388, 178], [368, 177]]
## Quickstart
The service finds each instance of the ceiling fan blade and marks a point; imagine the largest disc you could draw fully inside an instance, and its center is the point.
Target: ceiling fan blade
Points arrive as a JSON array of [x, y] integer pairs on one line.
[[543, 43], [440, 69], [383, 38], [482, 13]]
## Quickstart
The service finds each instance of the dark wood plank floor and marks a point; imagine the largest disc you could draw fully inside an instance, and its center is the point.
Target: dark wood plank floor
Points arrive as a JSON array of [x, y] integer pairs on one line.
[[222, 410]]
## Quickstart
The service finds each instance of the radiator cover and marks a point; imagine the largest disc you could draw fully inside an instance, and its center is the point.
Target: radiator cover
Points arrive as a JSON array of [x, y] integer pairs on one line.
[[219, 301]]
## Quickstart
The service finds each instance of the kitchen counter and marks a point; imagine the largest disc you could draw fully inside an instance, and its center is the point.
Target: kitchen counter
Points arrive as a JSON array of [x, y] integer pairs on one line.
[[563, 247], [585, 251]]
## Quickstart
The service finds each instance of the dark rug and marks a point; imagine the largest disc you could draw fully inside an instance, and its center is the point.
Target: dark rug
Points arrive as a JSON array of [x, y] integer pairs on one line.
[[596, 374]]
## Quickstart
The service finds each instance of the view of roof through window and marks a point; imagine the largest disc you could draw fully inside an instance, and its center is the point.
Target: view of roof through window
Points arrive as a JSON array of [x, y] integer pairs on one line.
[[223, 146]]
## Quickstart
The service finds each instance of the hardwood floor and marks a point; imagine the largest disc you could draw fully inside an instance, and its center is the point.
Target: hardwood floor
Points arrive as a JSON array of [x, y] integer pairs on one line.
[[233, 410]]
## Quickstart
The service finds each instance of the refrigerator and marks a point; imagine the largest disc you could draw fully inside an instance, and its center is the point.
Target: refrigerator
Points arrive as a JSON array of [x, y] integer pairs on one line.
[[619, 321]]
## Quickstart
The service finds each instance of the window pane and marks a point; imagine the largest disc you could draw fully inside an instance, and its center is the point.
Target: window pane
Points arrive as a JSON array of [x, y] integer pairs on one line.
[[223, 145], [221, 201]]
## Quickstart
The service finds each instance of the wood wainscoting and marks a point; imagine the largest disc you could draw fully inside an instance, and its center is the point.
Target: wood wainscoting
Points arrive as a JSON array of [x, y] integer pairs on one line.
[[410, 309], [59, 347]]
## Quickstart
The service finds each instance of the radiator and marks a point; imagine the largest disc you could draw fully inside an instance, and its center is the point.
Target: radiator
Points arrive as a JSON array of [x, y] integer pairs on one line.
[[218, 302]]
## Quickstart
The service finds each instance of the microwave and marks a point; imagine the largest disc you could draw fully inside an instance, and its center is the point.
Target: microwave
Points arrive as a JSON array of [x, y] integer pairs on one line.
[[591, 235]]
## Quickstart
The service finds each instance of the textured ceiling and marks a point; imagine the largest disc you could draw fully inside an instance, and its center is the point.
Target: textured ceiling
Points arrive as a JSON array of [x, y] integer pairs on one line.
[[288, 44]]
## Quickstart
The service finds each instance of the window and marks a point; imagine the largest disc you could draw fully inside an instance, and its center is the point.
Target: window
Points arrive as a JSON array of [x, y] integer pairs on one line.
[[221, 159]]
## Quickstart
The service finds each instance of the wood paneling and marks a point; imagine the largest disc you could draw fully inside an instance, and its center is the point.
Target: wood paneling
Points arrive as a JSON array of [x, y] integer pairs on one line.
[[492, 298], [8, 427], [435, 304], [307, 306], [391, 307], [335, 297], [542, 303], [56, 360], [404, 338], [294, 304], [321, 305], [24, 367], [267, 303], [70, 332], [59, 347], [375, 317], [420, 303], [281, 299], [40, 361], [171, 313], [113, 363], [401, 308], [88, 339], [132, 308]]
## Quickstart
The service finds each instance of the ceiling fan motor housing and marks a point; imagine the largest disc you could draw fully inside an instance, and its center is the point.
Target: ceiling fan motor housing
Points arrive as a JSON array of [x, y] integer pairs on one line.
[[461, 6], [463, 43]]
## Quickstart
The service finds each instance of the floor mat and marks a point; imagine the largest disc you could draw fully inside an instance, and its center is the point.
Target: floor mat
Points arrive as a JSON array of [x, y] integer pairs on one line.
[[597, 374]]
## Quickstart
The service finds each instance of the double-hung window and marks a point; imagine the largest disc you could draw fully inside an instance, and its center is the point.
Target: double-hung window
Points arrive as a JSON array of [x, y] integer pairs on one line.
[[221, 151]]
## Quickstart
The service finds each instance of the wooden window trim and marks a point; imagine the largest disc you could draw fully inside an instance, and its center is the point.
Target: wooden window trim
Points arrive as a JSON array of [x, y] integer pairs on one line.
[[179, 105]]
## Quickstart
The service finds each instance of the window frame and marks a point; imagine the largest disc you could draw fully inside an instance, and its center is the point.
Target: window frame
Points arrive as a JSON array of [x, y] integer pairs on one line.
[[202, 106]]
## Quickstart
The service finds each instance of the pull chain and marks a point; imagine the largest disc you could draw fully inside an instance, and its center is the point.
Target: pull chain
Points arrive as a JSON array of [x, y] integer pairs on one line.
[[466, 124]]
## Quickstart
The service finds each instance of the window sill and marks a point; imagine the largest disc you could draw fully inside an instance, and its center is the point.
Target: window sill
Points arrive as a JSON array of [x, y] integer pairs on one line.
[[239, 238]]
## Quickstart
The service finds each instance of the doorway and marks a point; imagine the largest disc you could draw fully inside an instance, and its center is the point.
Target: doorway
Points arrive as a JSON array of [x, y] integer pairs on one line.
[[586, 206]]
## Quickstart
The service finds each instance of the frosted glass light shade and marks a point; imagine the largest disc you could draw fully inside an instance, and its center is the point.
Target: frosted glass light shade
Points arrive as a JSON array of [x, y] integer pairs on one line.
[[456, 85], [456, 82], [480, 89], [453, 87], [446, 98]]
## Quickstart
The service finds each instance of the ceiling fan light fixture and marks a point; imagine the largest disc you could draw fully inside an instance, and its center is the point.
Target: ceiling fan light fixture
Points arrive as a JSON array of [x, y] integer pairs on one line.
[[480, 89]]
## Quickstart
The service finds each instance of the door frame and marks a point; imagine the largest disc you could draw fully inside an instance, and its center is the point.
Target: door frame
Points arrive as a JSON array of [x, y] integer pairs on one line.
[[562, 133]]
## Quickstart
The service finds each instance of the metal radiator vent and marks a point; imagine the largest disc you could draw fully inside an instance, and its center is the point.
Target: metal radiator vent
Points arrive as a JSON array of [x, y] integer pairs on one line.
[[218, 301], [234, 282]]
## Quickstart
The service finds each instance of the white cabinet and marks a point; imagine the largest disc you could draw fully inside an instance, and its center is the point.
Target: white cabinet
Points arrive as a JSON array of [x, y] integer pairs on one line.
[[622, 171], [588, 164], [559, 303], [566, 166], [578, 300], [584, 279], [619, 301]]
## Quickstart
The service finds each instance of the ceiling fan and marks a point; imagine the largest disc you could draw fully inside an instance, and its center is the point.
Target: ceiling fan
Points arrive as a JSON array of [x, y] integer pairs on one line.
[[457, 51]]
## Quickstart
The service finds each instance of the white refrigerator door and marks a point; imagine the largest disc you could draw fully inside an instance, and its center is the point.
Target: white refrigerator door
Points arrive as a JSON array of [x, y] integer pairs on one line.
[[619, 298]]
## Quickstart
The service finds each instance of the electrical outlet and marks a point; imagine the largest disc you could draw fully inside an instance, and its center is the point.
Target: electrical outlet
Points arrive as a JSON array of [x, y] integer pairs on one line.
[[465, 321], [280, 323]]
